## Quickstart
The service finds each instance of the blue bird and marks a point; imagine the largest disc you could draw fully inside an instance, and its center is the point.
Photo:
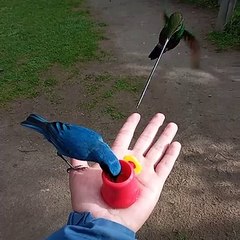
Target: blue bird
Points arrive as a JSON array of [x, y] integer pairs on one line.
[[77, 142]]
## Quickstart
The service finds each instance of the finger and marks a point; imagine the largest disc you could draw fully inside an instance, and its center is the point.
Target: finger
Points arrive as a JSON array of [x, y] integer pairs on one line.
[[159, 147], [76, 163], [146, 138], [124, 137], [165, 166]]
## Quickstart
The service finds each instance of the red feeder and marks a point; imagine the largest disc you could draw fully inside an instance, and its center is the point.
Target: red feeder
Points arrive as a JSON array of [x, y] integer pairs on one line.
[[124, 191]]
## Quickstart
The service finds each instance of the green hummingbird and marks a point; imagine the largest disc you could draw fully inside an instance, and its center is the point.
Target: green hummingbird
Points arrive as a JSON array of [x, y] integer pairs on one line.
[[170, 36], [174, 30]]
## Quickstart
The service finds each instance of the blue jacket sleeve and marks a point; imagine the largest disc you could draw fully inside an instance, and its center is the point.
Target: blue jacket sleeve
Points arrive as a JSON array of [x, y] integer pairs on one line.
[[85, 226]]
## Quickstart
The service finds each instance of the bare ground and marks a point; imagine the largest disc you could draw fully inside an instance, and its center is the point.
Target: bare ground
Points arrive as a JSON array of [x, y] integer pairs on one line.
[[201, 197]]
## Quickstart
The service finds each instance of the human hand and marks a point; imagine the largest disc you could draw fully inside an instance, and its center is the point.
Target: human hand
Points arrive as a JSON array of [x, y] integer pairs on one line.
[[157, 160]]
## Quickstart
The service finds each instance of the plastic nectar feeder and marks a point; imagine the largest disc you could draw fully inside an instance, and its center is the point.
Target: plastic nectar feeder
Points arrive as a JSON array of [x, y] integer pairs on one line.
[[124, 191]]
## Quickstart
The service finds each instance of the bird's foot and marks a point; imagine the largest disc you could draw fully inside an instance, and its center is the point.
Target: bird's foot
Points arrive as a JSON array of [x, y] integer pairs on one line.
[[77, 168]]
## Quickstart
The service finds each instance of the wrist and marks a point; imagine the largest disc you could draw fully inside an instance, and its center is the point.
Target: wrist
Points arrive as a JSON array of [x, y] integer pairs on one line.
[[104, 227]]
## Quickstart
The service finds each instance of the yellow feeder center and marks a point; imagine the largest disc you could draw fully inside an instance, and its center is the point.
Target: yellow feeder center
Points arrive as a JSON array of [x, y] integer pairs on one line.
[[136, 165]]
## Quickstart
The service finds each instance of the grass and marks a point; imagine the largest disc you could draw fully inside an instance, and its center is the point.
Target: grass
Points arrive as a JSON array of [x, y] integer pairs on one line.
[[49, 91], [126, 84], [114, 113], [107, 94], [119, 83], [180, 236], [36, 34], [103, 91]]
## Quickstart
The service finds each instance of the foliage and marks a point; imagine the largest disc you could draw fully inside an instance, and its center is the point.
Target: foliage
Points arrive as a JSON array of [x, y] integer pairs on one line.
[[230, 37], [203, 3], [233, 26]]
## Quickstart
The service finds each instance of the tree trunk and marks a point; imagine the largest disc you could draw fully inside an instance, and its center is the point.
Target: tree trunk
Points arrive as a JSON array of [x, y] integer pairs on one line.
[[225, 12], [230, 11]]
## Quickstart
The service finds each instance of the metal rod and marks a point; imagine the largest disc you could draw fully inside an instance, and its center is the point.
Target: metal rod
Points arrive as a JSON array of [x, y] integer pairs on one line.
[[151, 74]]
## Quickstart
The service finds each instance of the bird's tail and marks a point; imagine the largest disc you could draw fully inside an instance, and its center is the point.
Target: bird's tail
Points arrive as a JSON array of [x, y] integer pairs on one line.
[[36, 122], [155, 52]]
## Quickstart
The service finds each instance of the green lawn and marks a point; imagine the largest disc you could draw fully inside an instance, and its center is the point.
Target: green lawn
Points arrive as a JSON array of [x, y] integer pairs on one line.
[[34, 34]]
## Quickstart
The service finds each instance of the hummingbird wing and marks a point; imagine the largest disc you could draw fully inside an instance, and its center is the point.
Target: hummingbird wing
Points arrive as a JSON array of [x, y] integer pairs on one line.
[[165, 17], [162, 39], [194, 46]]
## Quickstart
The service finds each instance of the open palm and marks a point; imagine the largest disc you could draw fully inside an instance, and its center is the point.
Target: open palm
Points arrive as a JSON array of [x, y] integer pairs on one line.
[[157, 159]]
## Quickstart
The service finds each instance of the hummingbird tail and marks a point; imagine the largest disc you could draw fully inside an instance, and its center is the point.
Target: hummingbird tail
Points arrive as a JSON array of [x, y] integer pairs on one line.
[[155, 52], [36, 123], [195, 55], [194, 46]]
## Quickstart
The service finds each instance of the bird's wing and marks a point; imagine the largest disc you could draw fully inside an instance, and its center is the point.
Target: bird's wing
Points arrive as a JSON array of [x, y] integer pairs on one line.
[[165, 17], [56, 132], [73, 140], [162, 35], [194, 46]]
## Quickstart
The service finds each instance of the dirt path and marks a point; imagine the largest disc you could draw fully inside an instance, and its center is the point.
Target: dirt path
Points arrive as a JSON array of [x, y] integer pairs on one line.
[[201, 198]]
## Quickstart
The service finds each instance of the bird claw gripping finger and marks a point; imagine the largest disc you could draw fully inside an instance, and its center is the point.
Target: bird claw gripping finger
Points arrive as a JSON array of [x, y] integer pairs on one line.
[[77, 168]]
